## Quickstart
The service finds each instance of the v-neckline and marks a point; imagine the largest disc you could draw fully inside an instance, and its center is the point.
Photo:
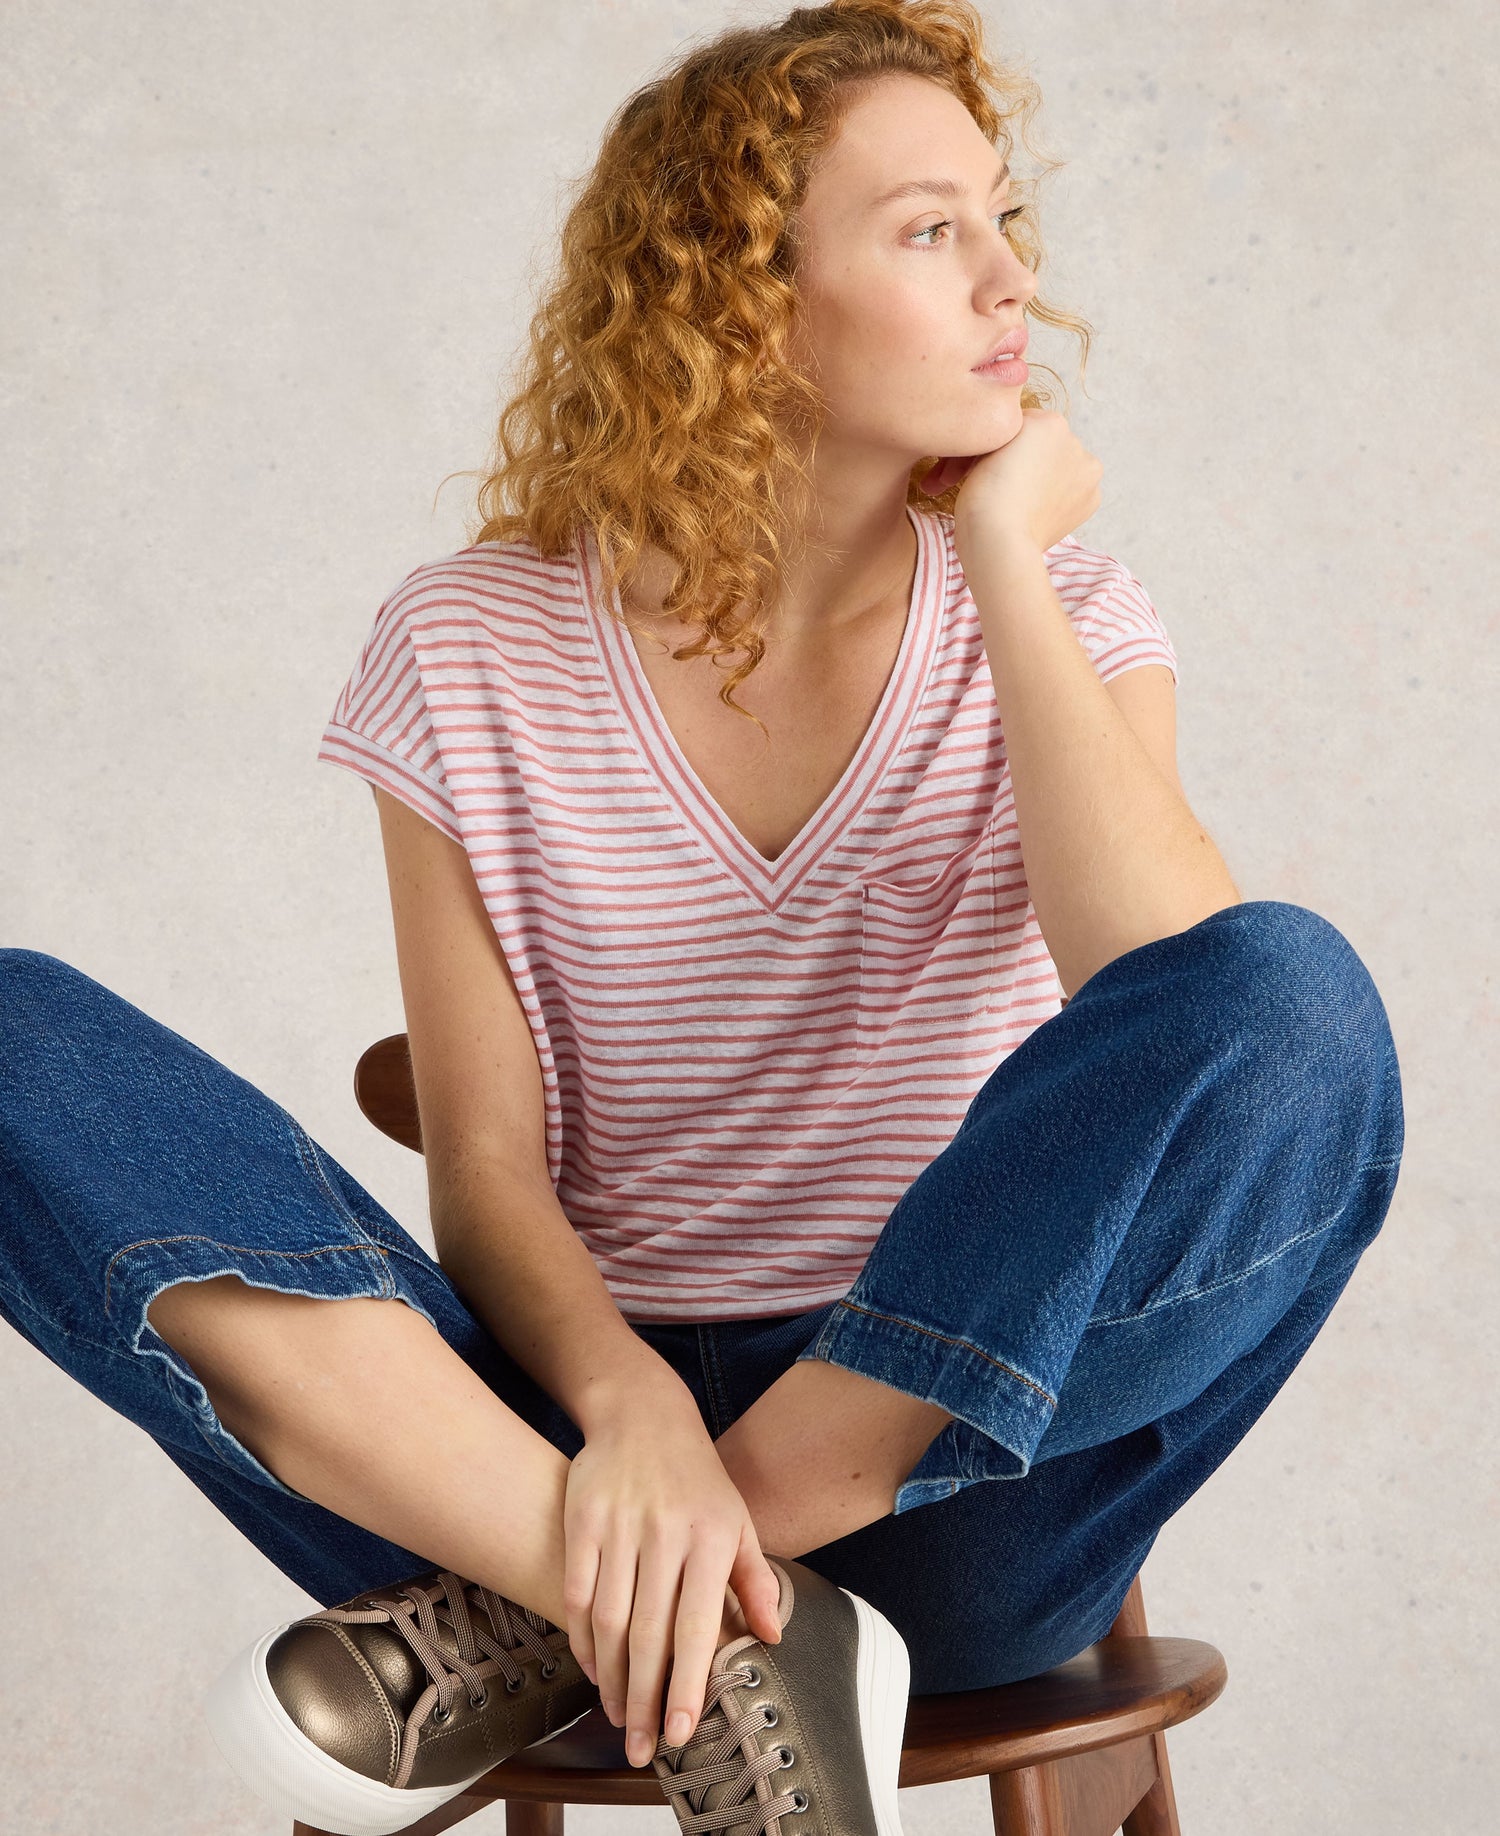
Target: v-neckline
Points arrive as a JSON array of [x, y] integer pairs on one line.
[[773, 882]]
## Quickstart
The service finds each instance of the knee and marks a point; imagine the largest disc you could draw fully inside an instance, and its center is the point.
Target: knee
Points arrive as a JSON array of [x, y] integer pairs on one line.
[[38, 991], [1293, 978], [1308, 1016], [27, 978], [1290, 958], [18, 963], [31, 976], [46, 1008]]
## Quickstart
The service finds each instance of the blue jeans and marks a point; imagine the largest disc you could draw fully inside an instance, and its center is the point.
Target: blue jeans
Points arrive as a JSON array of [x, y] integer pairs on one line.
[[1142, 1221]]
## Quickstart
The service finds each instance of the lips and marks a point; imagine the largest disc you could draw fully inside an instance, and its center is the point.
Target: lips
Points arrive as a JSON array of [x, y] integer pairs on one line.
[[1011, 345]]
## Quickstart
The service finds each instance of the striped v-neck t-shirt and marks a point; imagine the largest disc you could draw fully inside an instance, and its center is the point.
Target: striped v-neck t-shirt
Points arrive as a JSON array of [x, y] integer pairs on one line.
[[746, 1062]]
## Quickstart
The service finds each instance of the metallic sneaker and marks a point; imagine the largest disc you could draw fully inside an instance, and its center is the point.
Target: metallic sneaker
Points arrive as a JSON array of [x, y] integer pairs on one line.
[[364, 1717], [802, 1738]]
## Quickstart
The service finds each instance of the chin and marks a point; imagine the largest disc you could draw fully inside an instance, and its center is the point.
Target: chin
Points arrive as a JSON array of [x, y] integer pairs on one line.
[[979, 437]]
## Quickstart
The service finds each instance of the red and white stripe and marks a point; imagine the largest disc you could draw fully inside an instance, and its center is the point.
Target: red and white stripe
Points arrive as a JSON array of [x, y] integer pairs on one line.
[[746, 1062]]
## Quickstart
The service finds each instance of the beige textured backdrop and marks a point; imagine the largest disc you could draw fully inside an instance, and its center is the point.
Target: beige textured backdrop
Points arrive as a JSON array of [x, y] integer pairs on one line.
[[268, 262]]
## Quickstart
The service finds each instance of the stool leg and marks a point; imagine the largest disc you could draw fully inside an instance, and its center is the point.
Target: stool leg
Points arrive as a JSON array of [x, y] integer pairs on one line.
[[1026, 1802], [523, 1818], [1156, 1814], [1080, 1794]]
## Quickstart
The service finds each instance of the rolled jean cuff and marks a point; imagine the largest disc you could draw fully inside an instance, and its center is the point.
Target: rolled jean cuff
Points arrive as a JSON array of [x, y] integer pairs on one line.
[[999, 1413], [139, 1272]]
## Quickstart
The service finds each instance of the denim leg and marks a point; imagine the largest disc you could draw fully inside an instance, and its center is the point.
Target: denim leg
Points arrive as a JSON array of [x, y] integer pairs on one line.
[[995, 1583], [130, 1160], [1135, 1197]]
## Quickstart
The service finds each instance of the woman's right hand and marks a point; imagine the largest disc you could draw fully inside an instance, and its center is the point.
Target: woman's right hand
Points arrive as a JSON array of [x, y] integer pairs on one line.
[[656, 1532]]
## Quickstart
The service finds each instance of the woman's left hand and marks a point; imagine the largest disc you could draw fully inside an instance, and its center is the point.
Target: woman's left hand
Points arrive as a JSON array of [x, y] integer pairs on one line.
[[1043, 483]]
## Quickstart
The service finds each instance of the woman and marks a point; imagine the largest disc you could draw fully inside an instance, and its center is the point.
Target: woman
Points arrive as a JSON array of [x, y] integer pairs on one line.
[[835, 1099]]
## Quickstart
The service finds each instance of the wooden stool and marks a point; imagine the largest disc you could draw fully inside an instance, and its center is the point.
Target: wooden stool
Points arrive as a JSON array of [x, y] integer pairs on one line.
[[1078, 1751]]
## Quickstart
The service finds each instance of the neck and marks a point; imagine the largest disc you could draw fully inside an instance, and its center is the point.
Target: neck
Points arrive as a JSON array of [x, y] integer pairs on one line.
[[821, 597]]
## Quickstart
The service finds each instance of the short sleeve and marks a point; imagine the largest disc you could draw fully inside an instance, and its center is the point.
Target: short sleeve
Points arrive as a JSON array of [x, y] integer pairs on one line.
[[1111, 612], [382, 725]]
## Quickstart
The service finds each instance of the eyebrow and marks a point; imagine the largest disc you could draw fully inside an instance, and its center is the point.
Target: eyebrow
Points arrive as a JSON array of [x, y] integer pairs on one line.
[[940, 187]]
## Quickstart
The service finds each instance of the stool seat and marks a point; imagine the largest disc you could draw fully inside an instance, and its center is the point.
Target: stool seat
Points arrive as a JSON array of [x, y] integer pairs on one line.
[[1119, 1688], [1077, 1751]]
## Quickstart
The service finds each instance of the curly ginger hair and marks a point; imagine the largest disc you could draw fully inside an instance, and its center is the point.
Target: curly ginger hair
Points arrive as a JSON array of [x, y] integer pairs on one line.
[[660, 403]]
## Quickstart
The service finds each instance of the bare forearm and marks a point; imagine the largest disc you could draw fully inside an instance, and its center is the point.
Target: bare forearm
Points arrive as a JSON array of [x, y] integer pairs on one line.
[[526, 1275], [1114, 856]]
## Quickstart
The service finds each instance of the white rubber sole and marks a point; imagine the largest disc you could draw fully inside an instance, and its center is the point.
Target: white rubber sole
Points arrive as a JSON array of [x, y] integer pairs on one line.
[[884, 1688], [292, 1774]]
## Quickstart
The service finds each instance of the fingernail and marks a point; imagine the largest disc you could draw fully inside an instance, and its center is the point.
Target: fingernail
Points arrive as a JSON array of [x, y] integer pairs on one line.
[[677, 1727], [591, 1671], [616, 1712]]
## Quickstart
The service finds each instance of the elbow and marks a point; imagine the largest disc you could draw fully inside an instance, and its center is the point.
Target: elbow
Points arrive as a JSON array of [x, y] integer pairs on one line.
[[1072, 975]]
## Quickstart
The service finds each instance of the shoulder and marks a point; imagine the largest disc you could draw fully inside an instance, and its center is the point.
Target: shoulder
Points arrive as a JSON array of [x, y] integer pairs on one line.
[[479, 608], [1112, 614], [480, 580], [1085, 576]]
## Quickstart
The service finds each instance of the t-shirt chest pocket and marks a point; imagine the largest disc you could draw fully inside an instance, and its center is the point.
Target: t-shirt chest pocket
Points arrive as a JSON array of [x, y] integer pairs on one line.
[[928, 925]]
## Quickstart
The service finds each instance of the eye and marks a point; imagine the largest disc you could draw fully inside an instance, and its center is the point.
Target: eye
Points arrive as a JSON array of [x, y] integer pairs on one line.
[[1003, 220]]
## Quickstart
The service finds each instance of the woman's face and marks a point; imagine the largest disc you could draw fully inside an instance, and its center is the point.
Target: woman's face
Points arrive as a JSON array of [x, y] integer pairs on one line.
[[904, 296]]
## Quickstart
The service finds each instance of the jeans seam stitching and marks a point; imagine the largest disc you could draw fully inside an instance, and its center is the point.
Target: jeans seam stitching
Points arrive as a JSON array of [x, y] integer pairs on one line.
[[239, 1249], [948, 1339], [1227, 1281], [708, 1352], [312, 1165]]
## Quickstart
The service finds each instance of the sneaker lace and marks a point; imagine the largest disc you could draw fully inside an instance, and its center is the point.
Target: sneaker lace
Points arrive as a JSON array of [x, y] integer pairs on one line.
[[714, 1755], [513, 1627]]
